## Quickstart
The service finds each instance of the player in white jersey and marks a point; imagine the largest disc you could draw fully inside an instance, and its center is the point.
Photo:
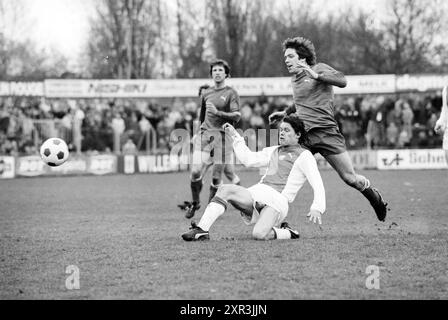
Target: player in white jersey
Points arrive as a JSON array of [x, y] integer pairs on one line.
[[265, 205], [442, 124]]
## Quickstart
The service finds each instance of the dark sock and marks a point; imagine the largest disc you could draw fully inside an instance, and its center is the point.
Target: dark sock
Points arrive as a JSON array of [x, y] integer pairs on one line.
[[213, 191], [196, 187]]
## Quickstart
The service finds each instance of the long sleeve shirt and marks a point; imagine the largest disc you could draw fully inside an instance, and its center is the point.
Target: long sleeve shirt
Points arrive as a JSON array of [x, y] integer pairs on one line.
[[313, 98], [287, 170]]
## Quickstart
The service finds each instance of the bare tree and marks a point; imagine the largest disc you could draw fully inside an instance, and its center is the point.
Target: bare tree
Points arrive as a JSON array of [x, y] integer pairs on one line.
[[123, 39], [240, 33], [191, 29], [411, 32], [20, 58]]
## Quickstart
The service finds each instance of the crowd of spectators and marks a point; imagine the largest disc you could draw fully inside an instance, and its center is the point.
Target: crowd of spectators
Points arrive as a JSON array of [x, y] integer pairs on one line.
[[367, 121]]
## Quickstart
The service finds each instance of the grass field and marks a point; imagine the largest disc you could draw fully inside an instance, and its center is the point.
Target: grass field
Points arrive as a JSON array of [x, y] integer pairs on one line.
[[123, 233]]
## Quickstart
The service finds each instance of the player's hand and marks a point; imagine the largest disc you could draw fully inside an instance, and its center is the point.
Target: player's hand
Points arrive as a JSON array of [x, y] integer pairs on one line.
[[440, 126], [303, 65], [276, 117], [315, 216], [230, 130], [211, 108]]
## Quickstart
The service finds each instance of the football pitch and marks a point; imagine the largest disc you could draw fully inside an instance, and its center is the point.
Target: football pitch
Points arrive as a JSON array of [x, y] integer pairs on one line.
[[123, 235]]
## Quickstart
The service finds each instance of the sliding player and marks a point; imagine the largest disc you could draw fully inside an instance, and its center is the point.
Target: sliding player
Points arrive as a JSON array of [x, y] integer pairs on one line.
[[266, 204]]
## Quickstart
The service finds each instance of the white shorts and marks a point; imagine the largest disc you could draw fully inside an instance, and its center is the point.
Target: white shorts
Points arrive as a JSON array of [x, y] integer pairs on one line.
[[445, 140], [265, 195]]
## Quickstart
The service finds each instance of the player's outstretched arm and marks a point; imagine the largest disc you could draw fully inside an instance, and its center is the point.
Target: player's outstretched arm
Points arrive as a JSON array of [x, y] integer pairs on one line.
[[308, 165], [247, 157], [331, 76]]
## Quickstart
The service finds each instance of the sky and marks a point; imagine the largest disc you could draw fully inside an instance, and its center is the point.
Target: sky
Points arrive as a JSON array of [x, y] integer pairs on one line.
[[64, 24], [60, 24]]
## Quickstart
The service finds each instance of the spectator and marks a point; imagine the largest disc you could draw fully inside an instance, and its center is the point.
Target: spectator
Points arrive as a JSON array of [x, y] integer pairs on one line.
[[129, 147], [392, 135]]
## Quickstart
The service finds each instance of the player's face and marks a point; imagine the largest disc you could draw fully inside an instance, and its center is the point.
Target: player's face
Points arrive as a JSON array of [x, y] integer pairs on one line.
[[218, 74], [287, 135], [292, 61]]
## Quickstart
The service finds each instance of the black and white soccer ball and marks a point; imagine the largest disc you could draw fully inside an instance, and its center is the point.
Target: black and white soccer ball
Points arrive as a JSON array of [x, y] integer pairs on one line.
[[54, 152]]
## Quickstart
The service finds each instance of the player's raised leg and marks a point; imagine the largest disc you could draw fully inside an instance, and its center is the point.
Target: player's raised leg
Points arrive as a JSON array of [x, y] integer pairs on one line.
[[342, 163]]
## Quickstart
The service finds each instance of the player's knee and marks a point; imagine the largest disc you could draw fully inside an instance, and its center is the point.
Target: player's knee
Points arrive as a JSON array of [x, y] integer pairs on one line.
[[259, 233], [195, 174], [225, 191], [349, 178]]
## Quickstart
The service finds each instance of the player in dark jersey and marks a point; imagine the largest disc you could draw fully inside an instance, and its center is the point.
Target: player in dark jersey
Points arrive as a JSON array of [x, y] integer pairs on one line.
[[313, 101], [228, 170], [220, 104]]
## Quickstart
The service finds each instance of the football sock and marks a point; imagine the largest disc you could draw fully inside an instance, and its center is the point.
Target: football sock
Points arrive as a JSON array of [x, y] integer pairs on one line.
[[196, 187], [282, 234], [371, 195], [213, 211], [366, 184]]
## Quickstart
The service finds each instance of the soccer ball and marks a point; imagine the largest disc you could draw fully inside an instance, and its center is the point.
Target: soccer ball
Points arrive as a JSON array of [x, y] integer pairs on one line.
[[54, 152]]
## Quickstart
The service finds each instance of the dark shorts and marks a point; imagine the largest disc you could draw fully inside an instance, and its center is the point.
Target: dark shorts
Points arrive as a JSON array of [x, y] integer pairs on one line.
[[218, 144], [326, 141]]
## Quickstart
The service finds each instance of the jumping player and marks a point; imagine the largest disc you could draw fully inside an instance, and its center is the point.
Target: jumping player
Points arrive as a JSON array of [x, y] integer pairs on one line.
[[313, 101], [265, 205], [442, 122], [220, 104]]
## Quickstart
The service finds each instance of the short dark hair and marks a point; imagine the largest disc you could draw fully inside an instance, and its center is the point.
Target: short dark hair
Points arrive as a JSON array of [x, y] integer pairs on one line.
[[304, 48], [298, 127], [220, 62], [202, 88]]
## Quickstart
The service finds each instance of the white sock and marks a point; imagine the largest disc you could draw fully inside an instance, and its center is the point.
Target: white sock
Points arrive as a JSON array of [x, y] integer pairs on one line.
[[282, 234], [366, 184], [212, 212]]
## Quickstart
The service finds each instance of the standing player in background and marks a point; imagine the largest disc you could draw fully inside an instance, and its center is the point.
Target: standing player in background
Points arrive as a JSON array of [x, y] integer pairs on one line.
[[229, 168], [266, 204], [442, 123], [220, 104], [312, 85]]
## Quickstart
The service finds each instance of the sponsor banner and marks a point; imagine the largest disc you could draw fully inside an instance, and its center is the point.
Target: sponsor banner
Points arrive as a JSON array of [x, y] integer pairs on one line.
[[368, 84], [123, 88], [102, 164], [361, 159], [30, 166], [411, 159], [160, 163], [22, 89], [129, 164], [421, 82], [75, 165], [168, 88], [7, 169]]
